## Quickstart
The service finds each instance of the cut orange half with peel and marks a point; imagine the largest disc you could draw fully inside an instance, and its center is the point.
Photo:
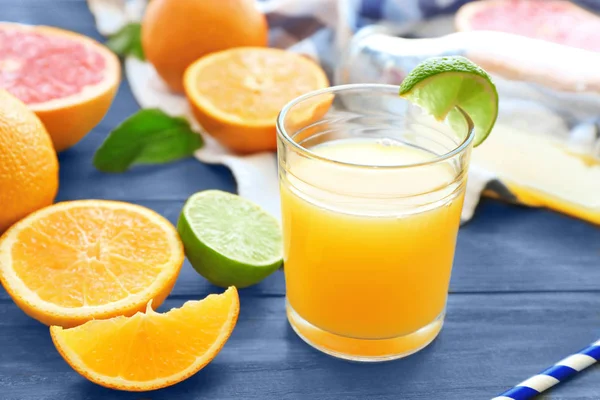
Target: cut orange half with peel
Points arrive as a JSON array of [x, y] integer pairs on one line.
[[150, 351], [236, 94], [67, 79], [90, 259]]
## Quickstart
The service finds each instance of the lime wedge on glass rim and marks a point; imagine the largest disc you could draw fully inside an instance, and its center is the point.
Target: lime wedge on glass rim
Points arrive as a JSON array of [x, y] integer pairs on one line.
[[230, 240], [441, 84]]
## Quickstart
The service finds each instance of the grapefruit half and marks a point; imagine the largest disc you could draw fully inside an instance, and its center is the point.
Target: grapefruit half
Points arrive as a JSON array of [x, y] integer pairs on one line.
[[67, 79], [556, 21]]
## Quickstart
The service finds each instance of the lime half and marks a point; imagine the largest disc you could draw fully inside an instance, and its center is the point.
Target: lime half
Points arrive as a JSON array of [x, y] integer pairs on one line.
[[229, 240], [440, 84]]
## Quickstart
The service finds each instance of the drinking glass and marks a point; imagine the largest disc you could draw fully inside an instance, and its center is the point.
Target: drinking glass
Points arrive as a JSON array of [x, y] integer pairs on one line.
[[372, 189]]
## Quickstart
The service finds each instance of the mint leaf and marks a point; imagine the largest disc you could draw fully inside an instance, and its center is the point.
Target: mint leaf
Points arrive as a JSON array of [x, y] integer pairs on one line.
[[127, 41], [147, 137]]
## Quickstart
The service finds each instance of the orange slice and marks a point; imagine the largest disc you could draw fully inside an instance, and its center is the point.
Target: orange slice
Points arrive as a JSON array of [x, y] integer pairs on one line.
[[75, 261], [150, 351], [237, 94]]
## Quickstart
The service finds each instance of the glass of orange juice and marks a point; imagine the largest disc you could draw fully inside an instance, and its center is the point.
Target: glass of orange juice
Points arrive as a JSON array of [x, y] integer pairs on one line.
[[371, 191]]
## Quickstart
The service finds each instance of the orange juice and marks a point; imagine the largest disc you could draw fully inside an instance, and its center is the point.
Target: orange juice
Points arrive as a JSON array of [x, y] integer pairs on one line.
[[361, 266]]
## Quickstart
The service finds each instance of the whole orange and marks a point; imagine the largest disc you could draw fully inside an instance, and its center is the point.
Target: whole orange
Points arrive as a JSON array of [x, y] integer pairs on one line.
[[176, 33], [28, 163]]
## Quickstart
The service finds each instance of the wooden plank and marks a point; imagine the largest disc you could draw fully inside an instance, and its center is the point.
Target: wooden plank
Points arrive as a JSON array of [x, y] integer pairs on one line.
[[489, 343], [511, 248]]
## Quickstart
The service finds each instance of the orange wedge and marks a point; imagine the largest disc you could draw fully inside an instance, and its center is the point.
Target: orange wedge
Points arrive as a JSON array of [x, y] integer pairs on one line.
[[150, 351], [75, 261], [236, 94]]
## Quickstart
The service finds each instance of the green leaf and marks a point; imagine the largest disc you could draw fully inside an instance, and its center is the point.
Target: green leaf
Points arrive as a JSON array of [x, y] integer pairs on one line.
[[127, 41], [148, 137]]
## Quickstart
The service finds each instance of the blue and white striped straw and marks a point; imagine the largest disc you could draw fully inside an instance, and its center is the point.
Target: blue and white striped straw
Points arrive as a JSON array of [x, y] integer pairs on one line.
[[560, 372]]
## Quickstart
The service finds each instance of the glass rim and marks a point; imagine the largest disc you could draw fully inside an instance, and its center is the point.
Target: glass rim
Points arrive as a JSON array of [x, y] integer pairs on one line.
[[285, 136]]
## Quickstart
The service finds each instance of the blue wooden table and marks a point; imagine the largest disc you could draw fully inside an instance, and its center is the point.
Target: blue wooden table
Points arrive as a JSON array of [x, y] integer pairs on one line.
[[525, 292]]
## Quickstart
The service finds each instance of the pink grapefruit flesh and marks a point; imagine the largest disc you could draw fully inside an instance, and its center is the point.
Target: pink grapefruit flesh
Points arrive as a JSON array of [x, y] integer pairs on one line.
[[34, 68], [556, 21], [67, 79]]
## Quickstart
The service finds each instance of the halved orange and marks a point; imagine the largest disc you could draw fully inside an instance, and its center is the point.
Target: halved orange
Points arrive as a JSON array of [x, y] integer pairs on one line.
[[150, 351], [236, 94], [75, 261]]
